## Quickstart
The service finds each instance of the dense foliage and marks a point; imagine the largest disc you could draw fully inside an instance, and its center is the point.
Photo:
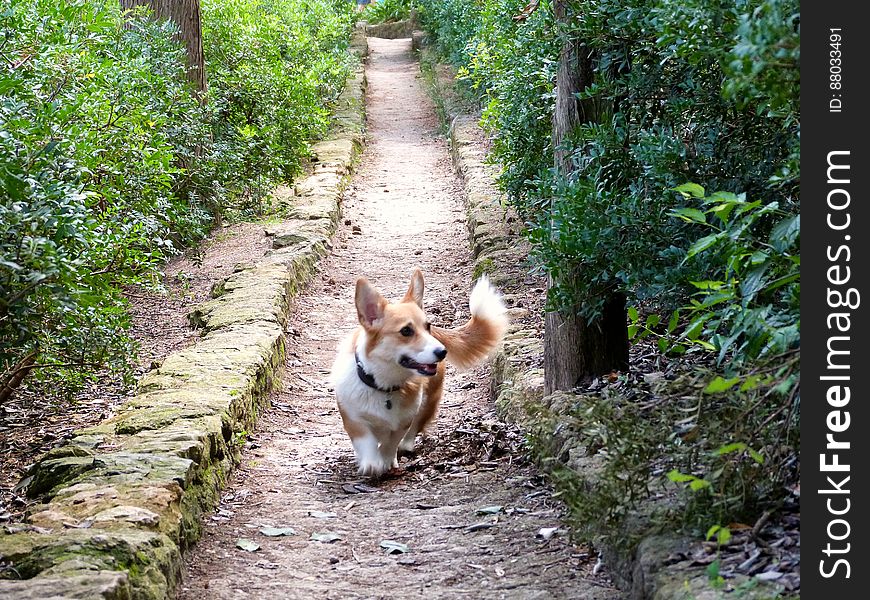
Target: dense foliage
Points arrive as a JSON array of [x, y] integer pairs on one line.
[[702, 92], [682, 190], [109, 163], [388, 11], [273, 69]]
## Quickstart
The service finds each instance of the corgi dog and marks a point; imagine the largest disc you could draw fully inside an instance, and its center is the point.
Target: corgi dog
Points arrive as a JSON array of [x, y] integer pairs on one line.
[[388, 374]]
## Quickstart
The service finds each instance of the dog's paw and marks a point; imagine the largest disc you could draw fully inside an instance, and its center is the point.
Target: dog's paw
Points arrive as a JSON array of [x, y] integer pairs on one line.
[[408, 443], [374, 468]]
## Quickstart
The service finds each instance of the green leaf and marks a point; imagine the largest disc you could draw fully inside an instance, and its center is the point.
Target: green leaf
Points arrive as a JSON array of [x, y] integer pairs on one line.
[[696, 327], [652, 321], [678, 477], [705, 243], [712, 531], [688, 190], [674, 321], [690, 215], [729, 448], [720, 384], [11, 265], [756, 456], [698, 484], [750, 383], [722, 211], [784, 233], [632, 314], [713, 570], [754, 282], [759, 257], [785, 280]]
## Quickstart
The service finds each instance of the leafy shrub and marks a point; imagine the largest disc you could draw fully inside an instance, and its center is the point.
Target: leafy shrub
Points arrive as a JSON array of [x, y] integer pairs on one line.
[[387, 11], [273, 70], [660, 67], [94, 120], [453, 23], [713, 452], [693, 91], [511, 65], [750, 307], [507, 55], [109, 163]]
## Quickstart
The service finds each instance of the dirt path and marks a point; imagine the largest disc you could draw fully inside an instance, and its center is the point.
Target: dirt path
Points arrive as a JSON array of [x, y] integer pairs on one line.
[[403, 210]]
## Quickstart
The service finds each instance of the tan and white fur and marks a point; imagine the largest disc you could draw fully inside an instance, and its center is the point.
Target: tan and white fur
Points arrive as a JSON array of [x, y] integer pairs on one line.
[[388, 374]]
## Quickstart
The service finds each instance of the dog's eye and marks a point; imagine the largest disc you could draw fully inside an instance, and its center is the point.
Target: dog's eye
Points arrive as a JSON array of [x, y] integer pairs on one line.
[[428, 326], [407, 331]]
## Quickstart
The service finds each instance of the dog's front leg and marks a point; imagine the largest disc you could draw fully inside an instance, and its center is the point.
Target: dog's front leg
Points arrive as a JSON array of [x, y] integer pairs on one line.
[[367, 442], [369, 455], [428, 408], [390, 446]]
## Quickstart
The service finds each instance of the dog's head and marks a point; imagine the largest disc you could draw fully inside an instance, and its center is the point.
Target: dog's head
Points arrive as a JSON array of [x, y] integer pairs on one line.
[[398, 333]]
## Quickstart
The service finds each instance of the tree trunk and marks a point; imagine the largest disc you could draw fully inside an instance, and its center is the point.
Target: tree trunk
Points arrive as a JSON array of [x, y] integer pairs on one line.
[[13, 378], [573, 348], [186, 15]]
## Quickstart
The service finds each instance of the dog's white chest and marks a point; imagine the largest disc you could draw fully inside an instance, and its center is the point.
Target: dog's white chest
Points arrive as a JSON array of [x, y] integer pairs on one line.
[[359, 401]]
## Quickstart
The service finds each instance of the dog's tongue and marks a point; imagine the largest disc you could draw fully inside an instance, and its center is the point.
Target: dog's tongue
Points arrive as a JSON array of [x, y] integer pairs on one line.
[[427, 369]]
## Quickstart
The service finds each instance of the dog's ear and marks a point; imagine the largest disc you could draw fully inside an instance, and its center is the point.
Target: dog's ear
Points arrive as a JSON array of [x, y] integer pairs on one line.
[[415, 290], [369, 303]]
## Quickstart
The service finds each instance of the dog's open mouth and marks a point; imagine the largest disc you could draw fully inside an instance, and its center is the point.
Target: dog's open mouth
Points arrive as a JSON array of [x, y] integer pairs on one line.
[[423, 369]]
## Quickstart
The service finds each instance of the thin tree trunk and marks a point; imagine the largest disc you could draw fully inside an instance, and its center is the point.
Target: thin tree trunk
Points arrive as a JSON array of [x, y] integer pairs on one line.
[[573, 348], [186, 15], [14, 377]]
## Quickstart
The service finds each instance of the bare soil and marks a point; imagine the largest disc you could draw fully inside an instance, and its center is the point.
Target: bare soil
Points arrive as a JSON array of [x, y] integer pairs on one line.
[[466, 516]]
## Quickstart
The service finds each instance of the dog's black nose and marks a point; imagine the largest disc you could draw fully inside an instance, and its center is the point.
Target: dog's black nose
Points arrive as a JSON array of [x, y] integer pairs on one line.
[[441, 353]]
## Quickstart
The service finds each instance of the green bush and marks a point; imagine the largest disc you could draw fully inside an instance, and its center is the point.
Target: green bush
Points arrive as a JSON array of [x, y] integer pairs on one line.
[[273, 71], [387, 11], [109, 163], [94, 121], [453, 23], [660, 70], [695, 91], [749, 308], [511, 65], [710, 452]]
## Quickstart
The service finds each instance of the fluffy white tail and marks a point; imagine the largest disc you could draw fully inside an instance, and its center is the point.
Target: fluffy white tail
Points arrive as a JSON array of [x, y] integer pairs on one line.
[[486, 302], [471, 343]]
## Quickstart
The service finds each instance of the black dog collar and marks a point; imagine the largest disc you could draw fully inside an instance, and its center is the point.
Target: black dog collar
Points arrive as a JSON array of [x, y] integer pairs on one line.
[[369, 380]]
